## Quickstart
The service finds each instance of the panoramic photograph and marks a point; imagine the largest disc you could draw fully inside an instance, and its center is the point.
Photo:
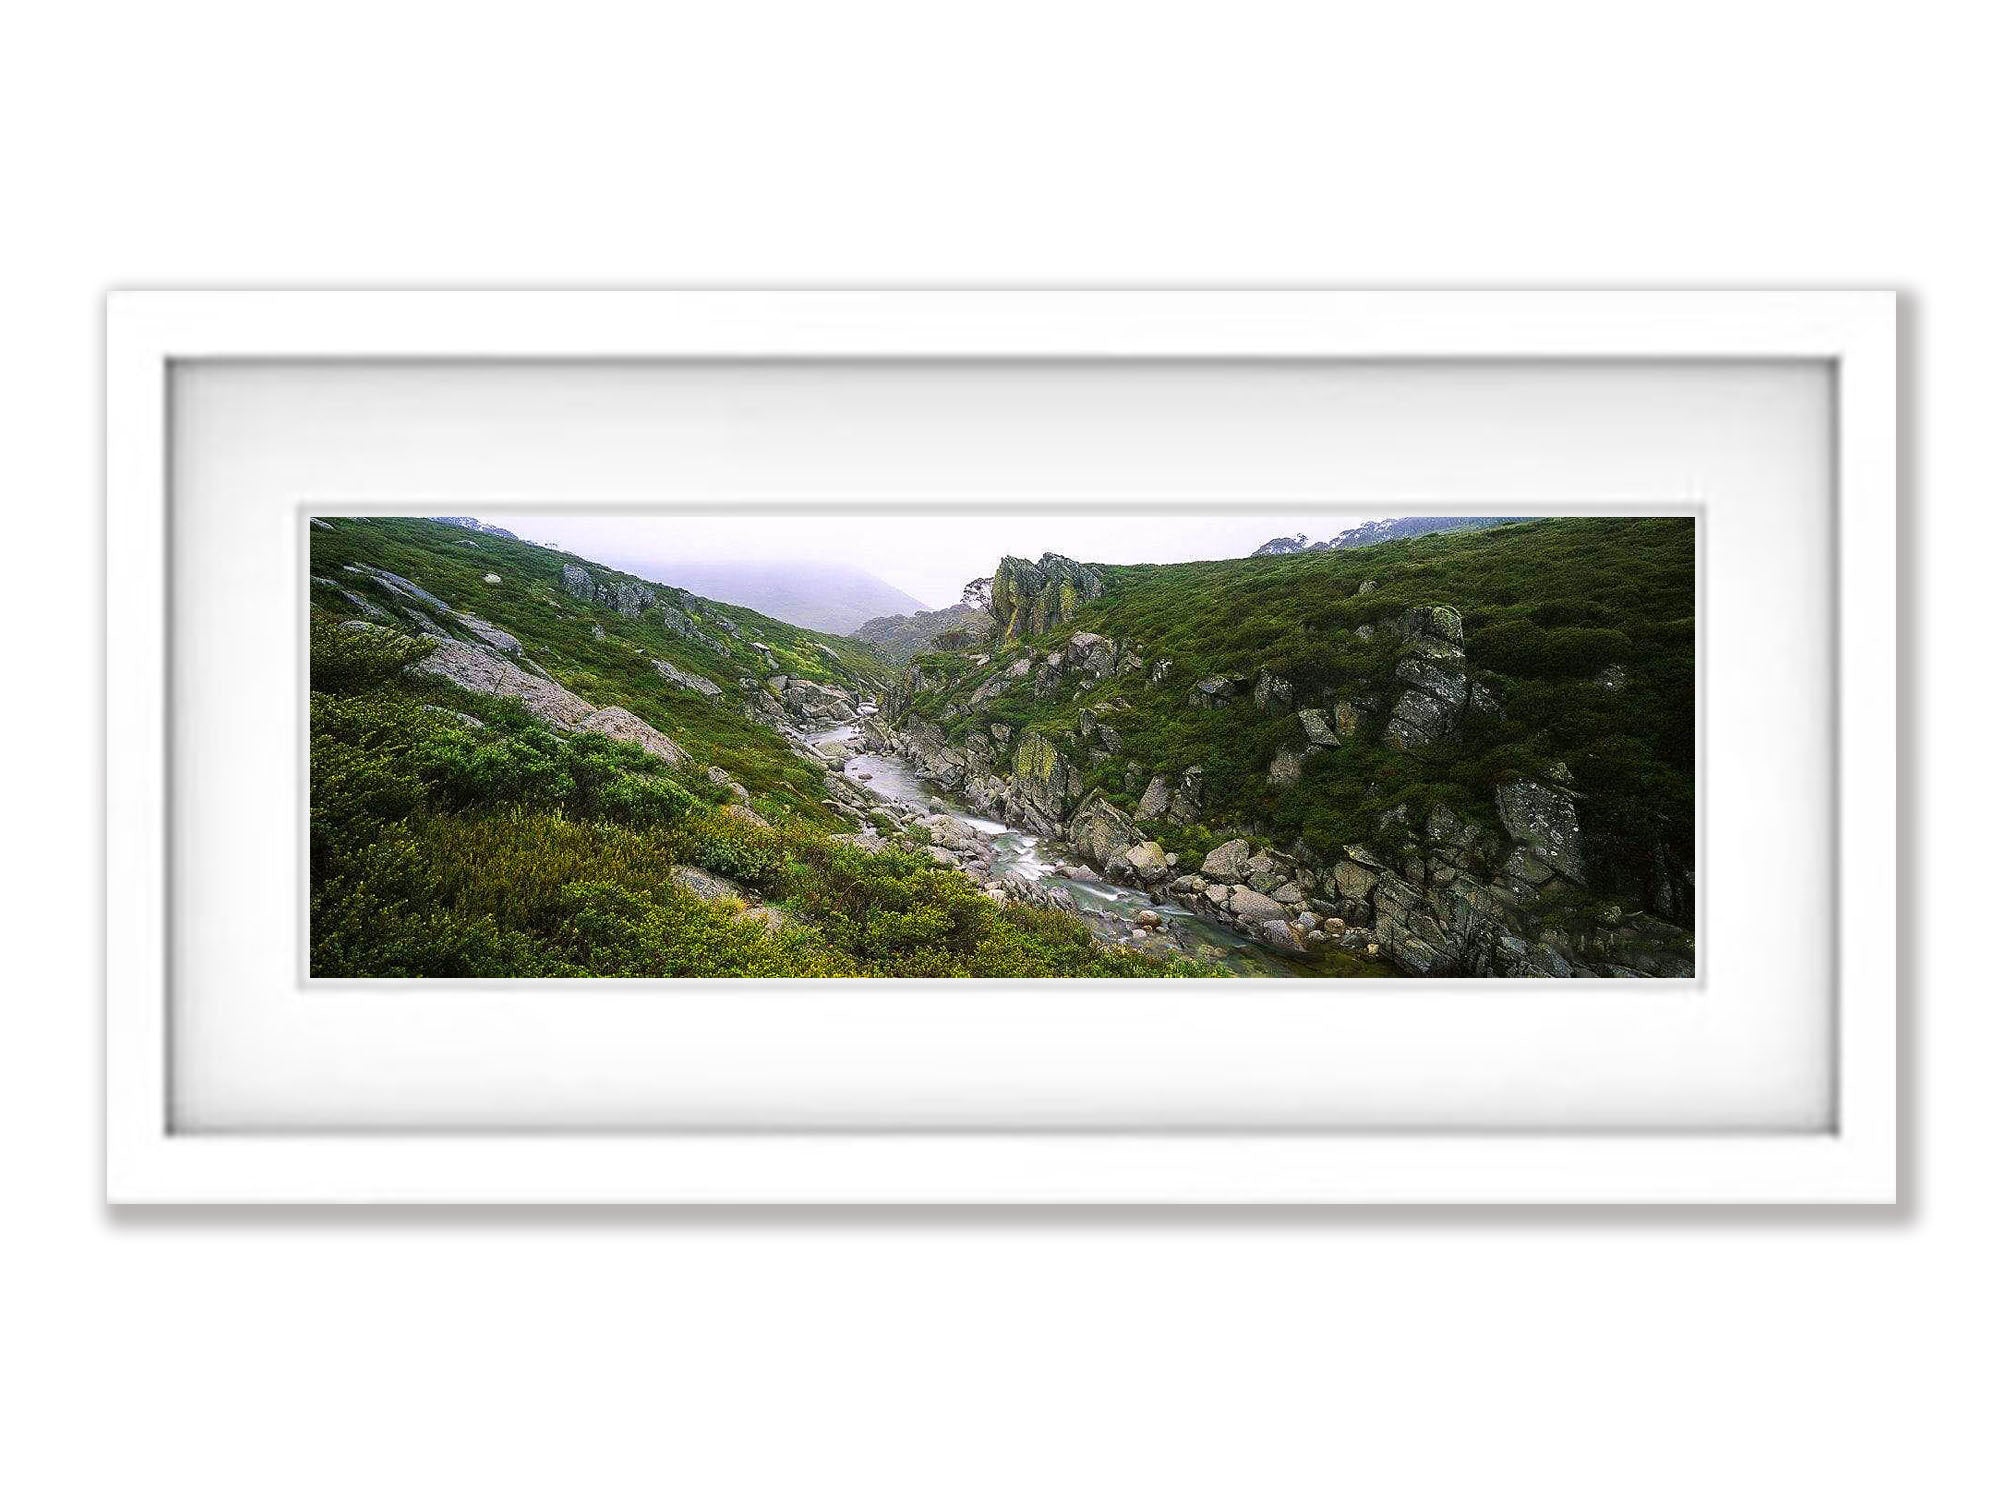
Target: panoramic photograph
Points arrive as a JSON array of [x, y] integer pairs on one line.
[[1010, 745]]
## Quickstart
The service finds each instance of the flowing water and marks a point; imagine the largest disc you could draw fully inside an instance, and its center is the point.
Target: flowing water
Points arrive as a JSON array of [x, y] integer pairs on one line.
[[1017, 852]]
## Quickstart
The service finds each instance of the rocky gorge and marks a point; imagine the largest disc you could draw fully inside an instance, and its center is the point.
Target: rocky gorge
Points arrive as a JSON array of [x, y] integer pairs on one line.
[[1034, 731]]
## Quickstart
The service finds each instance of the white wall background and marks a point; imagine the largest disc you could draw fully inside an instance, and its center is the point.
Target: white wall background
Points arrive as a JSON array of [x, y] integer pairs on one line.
[[1007, 1355]]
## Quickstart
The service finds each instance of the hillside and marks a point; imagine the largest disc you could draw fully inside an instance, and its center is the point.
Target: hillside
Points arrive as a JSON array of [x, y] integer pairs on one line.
[[1473, 750], [525, 763], [1371, 533], [965, 625]]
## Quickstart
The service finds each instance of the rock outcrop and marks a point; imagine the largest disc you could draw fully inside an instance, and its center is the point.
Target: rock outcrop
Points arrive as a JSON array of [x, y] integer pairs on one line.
[[1043, 785], [482, 671], [1034, 598], [813, 705], [1544, 819], [693, 682], [1433, 671], [1102, 834], [628, 598]]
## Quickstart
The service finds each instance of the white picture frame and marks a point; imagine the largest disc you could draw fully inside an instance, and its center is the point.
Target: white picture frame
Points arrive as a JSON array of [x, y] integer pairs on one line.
[[1852, 1161]]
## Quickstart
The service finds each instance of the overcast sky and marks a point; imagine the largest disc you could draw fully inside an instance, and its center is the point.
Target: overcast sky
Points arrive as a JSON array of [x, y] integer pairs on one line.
[[931, 556]]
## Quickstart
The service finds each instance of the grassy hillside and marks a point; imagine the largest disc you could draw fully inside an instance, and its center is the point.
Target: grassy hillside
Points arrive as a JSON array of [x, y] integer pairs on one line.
[[614, 668], [455, 833], [1549, 608]]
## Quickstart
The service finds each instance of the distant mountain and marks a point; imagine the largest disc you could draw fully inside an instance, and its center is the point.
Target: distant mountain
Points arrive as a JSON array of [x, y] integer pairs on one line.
[[473, 523], [1368, 533], [967, 623], [1280, 546], [829, 597]]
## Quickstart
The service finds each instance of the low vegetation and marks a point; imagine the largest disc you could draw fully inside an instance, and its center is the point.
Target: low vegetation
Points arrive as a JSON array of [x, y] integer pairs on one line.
[[1583, 630], [453, 834]]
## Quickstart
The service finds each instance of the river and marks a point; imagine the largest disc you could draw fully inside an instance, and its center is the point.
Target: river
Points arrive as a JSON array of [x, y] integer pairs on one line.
[[1018, 852]]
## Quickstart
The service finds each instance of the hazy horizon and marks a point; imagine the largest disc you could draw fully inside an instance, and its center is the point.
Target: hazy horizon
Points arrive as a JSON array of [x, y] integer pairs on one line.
[[928, 557]]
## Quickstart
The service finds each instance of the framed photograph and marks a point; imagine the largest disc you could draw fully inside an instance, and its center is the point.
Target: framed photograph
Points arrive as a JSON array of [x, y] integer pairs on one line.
[[1285, 747]]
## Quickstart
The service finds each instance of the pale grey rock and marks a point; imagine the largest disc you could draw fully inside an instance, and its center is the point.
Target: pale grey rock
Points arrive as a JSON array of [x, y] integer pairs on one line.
[[684, 679], [397, 584], [1102, 833], [1277, 933], [1545, 819], [1318, 731], [492, 635], [1212, 692], [1186, 805], [481, 671], [1270, 689], [1254, 907], [623, 724], [1353, 881], [1225, 862], [1287, 766]]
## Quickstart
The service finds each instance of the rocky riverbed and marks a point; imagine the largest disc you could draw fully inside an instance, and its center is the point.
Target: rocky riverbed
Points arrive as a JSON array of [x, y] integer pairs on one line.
[[1013, 864]]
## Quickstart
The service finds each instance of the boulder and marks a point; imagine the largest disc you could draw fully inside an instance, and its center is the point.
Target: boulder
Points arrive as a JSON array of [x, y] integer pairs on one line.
[[1254, 907], [1419, 722], [1090, 654], [814, 704], [1226, 861], [622, 724], [1212, 692], [495, 637], [1544, 819], [688, 680], [1277, 933], [576, 583], [1287, 766], [1185, 808], [1038, 792], [630, 599], [1437, 622], [1102, 833], [1352, 880], [480, 671], [1157, 798], [395, 583], [1270, 689], [1432, 668], [1318, 731], [1148, 861], [685, 626]]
